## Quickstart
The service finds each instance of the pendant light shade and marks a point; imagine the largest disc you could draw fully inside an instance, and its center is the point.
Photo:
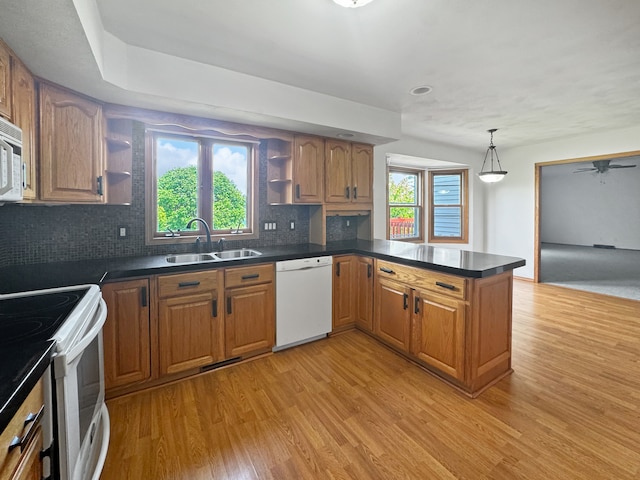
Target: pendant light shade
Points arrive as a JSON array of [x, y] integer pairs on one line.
[[493, 175], [352, 3]]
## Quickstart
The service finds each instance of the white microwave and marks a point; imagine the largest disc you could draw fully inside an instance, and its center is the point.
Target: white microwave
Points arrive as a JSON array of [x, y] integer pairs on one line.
[[11, 181]]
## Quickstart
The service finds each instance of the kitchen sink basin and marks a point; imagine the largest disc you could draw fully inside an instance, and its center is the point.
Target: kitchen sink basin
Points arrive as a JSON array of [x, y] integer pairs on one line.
[[239, 253], [190, 258]]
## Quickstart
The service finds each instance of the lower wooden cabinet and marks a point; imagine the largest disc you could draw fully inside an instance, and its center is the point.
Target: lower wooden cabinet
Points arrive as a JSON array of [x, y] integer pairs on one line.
[[438, 332], [189, 321], [392, 319], [126, 333], [249, 310], [344, 292], [30, 466], [364, 293]]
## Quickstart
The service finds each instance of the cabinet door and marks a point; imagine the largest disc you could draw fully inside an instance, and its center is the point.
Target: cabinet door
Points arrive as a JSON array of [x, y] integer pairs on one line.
[[364, 293], [344, 292], [71, 147], [308, 169], [362, 173], [127, 347], [438, 332], [188, 332], [337, 162], [24, 116], [392, 313], [30, 466], [5, 81], [249, 320]]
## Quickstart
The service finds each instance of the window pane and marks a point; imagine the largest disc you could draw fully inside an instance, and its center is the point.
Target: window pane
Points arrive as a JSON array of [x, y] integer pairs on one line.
[[446, 190], [447, 221], [404, 222], [177, 183], [230, 180], [403, 188]]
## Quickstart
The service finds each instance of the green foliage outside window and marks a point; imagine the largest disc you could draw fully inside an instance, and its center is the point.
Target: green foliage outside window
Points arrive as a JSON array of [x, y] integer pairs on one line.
[[178, 200], [401, 192]]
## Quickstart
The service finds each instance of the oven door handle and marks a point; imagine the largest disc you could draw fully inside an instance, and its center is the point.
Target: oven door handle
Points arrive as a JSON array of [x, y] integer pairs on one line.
[[89, 336]]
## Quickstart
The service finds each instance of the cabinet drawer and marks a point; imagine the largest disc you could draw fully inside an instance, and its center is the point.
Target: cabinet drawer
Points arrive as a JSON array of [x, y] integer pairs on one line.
[[252, 275], [181, 283], [17, 428], [438, 282]]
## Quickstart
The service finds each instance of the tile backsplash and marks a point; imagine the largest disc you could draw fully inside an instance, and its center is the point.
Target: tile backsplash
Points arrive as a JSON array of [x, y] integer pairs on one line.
[[39, 234]]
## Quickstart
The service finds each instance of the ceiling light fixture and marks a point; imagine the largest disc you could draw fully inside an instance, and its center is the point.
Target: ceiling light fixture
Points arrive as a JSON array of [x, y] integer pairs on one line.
[[421, 90], [491, 176], [352, 3]]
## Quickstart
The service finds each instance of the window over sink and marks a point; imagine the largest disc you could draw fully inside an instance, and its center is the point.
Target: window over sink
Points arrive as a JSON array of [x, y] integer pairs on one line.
[[193, 175]]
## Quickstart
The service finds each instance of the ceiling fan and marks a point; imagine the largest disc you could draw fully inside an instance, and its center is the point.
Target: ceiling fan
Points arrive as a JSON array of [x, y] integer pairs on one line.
[[602, 166]]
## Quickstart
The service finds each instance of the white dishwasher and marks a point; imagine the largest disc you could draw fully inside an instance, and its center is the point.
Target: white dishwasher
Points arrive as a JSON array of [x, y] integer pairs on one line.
[[303, 300]]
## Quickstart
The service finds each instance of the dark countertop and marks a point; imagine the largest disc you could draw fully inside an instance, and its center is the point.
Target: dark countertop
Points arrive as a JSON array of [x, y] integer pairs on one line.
[[21, 366], [457, 262]]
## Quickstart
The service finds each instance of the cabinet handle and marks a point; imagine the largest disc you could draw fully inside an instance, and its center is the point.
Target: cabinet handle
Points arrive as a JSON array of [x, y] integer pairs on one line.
[[405, 301], [338, 269], [368, 270], [297, 190], [250, 276], [355, 193], [214, 308], [143, 296], [347, 192], [446, 285], [99, 179], [387, 270], [416, 305], [34, 419], [188, 284], [228, 305]]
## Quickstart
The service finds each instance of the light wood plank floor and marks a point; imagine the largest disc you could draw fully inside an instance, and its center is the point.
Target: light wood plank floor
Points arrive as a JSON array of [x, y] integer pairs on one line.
[[348, 408]]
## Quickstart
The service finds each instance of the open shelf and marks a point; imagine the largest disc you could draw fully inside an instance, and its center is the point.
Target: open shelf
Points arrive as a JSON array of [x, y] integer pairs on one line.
[[119, 181], [279, 172], [115, 144]]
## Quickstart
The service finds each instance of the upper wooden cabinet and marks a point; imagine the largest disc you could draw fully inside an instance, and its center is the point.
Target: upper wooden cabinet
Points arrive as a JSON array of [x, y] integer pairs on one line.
[[348, 172], [5, 81], [24, 116], [308, 169], [71, 147]]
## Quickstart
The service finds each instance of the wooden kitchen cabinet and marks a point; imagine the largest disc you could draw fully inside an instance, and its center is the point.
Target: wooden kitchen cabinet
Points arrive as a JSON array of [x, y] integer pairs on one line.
[[308, 169], [392, 319], [71, 147], [438, 332], [344, 288], [126, 333], [24, 463], [364, 293], [189, 320], [24, 116], [249, 310], [5, 81], [348, 172]]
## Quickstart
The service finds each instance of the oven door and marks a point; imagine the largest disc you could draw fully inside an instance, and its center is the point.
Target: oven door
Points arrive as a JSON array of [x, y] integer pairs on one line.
[[82, 417]]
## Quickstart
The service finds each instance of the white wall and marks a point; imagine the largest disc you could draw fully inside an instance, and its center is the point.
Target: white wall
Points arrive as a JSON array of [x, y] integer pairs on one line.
[[587, 209], [510, 204], [420, 148]]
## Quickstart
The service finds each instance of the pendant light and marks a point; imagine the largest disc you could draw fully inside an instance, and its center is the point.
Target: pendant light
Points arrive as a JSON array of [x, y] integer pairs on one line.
[[352, 3], [491, 176]]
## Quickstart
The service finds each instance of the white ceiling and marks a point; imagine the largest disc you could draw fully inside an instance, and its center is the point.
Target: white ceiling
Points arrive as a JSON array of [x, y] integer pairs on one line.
[[537, 70]]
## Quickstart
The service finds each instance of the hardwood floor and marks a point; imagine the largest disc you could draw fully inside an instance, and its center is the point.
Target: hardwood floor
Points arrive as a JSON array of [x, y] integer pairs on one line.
[[348, 408]]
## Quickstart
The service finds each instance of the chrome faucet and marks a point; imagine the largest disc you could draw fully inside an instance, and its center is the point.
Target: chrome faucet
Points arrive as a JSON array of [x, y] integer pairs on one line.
[[206, 229]]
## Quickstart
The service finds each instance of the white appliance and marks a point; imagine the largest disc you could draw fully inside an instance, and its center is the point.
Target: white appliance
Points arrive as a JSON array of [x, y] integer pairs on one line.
[[11, 182], [303, 300], [73, 317]]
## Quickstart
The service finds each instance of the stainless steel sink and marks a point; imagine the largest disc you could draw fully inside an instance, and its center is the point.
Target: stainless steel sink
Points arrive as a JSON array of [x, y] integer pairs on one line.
[[239, 253], [190, 258]]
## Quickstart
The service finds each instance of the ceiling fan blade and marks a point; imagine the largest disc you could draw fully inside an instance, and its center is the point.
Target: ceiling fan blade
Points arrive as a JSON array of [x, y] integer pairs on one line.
[[581, 170], [621, 166]]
